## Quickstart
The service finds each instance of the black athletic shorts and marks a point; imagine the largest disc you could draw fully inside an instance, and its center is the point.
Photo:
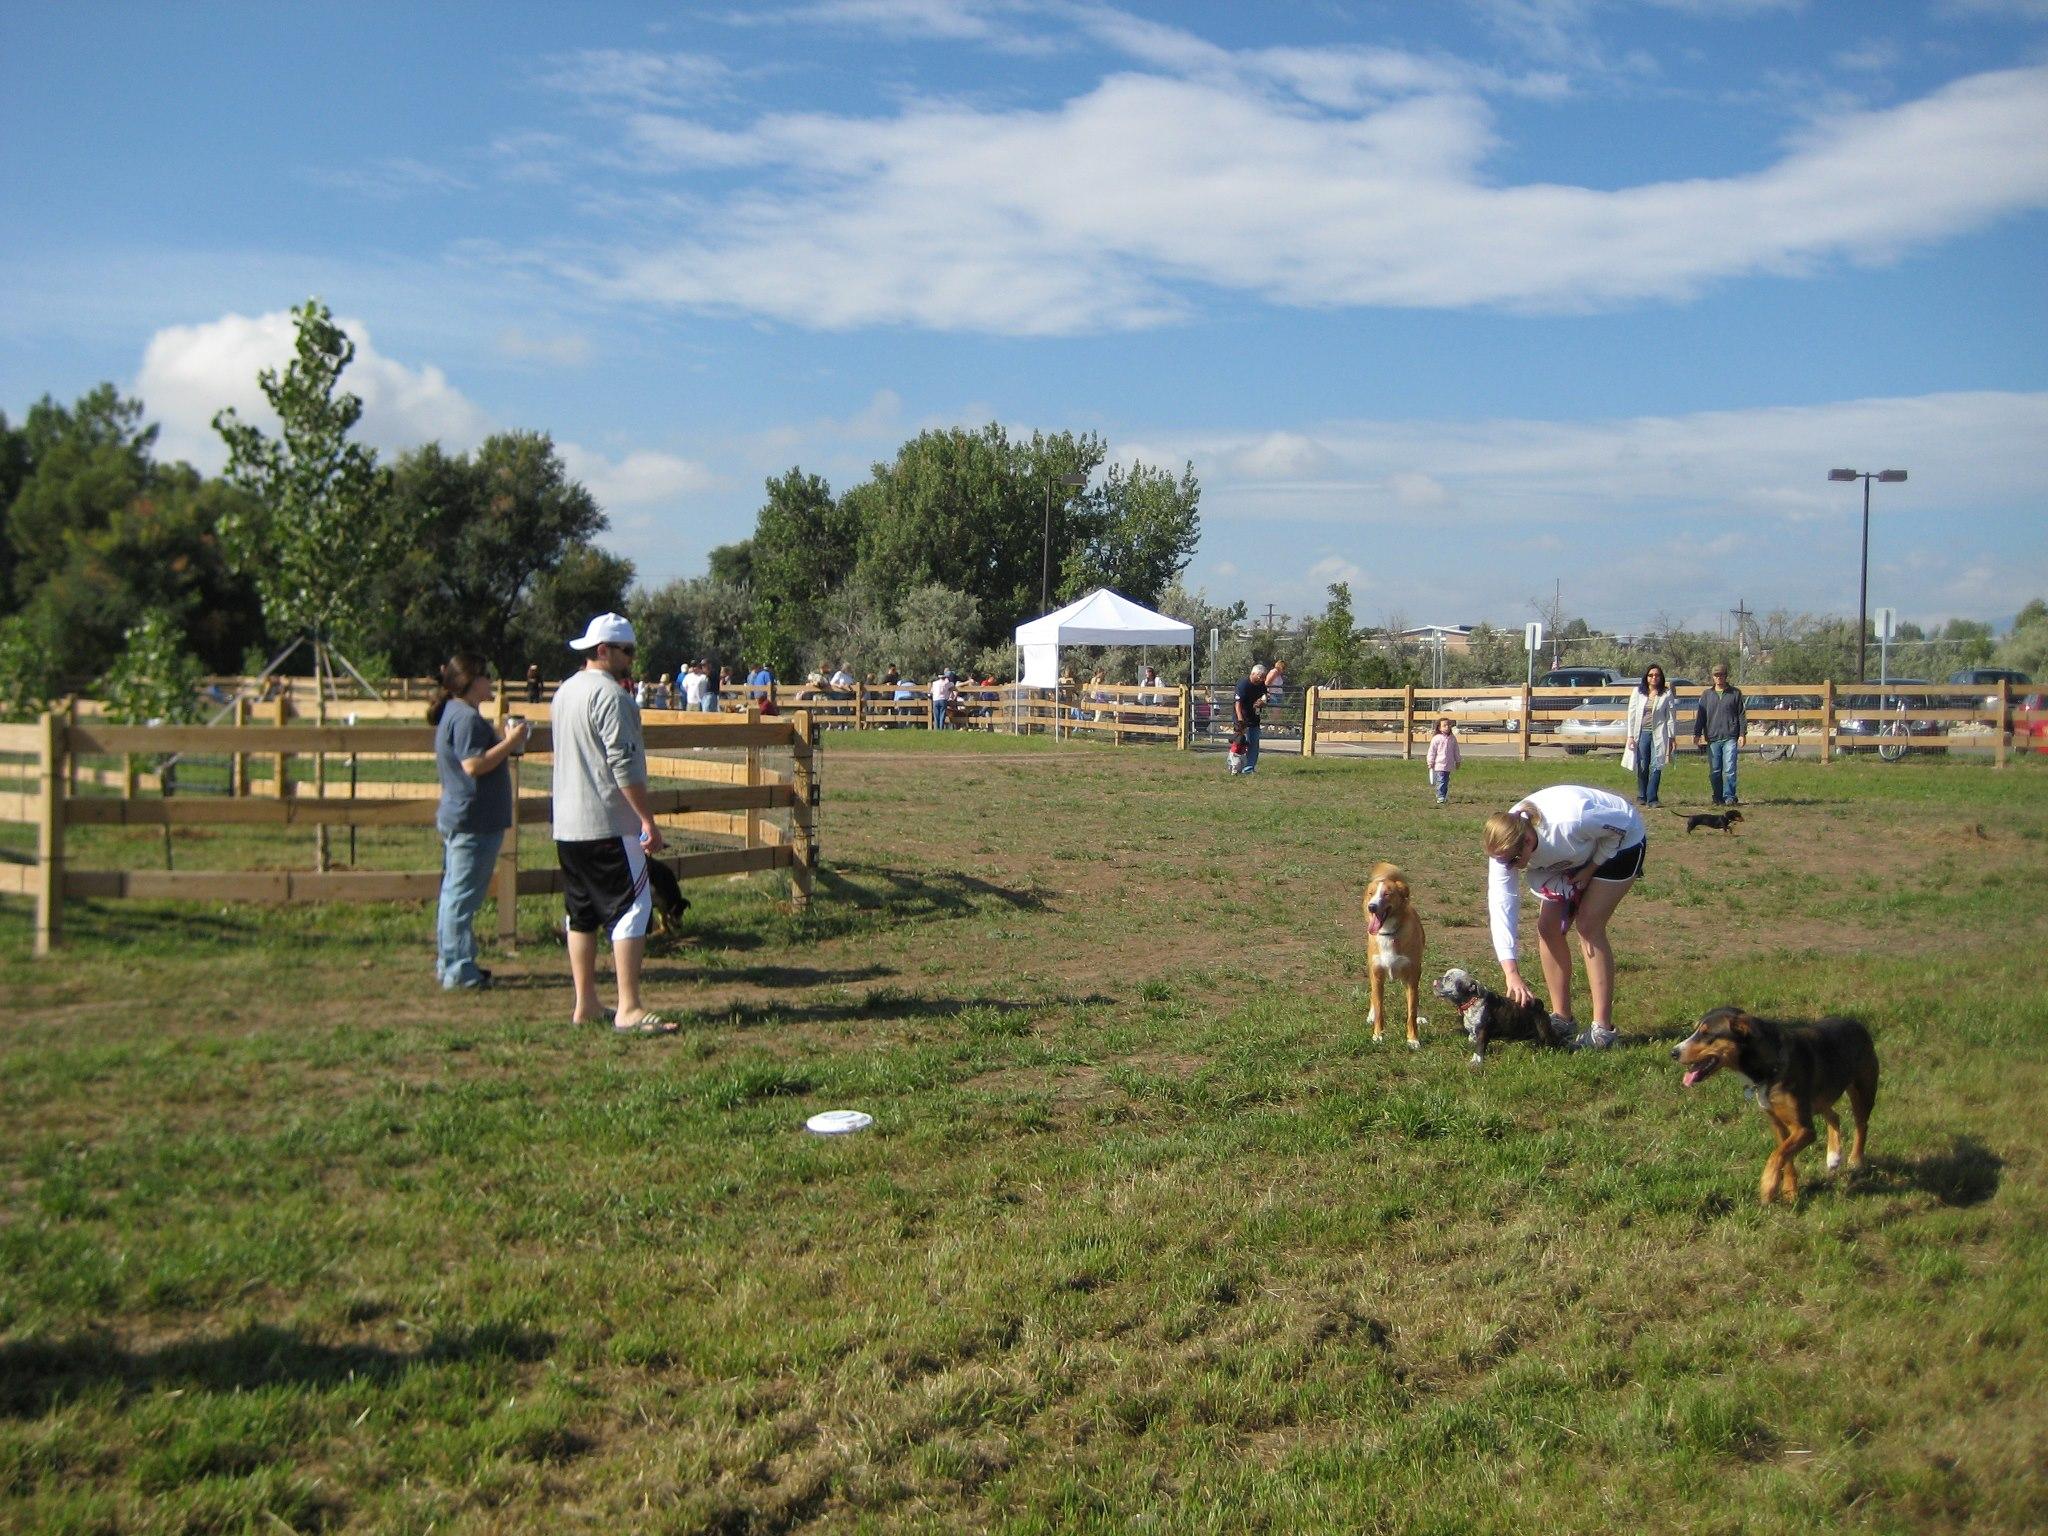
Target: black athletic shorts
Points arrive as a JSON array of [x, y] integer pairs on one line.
[[604, 886], [1625, 865]]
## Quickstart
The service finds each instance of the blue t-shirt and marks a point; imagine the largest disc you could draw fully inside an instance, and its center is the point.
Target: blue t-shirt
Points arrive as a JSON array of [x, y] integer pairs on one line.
[[469, 805]]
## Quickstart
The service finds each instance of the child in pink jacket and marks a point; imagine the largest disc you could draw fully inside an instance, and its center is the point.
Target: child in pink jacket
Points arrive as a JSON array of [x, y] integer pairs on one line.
[[1443, 757]]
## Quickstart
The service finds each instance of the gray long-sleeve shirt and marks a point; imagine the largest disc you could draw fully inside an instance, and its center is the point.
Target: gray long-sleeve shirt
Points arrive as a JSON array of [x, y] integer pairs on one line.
[[598, 747], [1720, 716]]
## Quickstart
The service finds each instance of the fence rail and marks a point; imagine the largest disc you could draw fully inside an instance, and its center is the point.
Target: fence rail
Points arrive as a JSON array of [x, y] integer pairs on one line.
[[721, 800]]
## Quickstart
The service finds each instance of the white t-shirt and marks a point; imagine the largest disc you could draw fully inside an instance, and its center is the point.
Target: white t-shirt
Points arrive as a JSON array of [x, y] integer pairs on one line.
[[693, 688], [840, 679], [1575, 826]]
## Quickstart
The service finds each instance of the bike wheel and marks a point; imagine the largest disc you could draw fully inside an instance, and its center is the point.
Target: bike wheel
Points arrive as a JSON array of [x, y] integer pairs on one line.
[[1892, 745]]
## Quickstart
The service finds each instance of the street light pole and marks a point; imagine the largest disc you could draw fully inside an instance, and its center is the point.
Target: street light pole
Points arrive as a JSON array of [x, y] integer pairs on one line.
[[1889, 476], [1072, 483]]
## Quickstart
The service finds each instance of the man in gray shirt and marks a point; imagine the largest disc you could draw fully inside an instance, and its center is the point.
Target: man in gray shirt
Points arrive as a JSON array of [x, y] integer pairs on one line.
[[604, 831], [1719, 725]]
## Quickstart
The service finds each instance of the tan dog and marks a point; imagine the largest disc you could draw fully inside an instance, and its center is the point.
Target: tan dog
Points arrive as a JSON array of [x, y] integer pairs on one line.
[[1393, 947]]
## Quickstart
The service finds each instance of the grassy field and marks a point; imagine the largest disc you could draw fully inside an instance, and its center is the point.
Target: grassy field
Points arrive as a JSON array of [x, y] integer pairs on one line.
[[1146, 1236]]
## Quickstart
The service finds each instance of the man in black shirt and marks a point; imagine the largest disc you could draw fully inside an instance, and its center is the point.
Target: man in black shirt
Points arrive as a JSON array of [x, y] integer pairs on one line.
[[1251, 697]]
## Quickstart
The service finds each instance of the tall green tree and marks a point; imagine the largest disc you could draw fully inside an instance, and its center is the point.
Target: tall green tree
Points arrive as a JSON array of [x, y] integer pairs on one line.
[[482, 530], [588, 581], [64, 474], [318, 531], [803, 547]]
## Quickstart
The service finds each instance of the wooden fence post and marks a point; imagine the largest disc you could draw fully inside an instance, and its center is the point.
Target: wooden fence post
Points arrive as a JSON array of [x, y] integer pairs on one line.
[[321, 840], [2003, 726], [50, 781], [860, 706], [1527, 724], [281, 784], [1311, 718], [238, 773], [1408, 723], [71, 762], [753, 781], [508, 870], [803, 819], [1184, 720], [1827, 720]]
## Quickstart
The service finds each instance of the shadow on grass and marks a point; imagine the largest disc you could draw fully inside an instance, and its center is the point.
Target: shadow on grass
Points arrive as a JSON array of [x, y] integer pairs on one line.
[[888, 1003], [1966, 1174], [950, 893], [37, 1375]]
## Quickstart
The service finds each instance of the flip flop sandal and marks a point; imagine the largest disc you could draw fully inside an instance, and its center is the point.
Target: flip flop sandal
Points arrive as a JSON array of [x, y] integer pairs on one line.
[[650, 1024]]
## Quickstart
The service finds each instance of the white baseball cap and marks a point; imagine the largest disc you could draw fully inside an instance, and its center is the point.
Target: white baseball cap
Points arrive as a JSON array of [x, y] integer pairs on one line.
[[605, 629]]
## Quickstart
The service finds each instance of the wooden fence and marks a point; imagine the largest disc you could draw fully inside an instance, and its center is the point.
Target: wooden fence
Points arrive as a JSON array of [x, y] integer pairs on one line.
[[724, 802], [1783, 718]]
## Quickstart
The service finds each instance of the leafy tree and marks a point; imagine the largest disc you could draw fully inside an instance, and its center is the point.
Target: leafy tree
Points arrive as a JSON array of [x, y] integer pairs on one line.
[[483, 530], [697, 619], [934, 630], [2026, 644], [63, 475], [1335, 651], [803, 547], [318, 530], [1140, 532], [562, 602], [155, 677], [30, 675], [733, 564]]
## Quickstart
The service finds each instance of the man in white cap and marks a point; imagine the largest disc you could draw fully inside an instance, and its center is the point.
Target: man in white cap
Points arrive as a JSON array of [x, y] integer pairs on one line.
[[604, 831]]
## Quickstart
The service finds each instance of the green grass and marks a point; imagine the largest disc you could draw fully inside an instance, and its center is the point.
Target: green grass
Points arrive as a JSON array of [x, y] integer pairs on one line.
[[1146, 1235]]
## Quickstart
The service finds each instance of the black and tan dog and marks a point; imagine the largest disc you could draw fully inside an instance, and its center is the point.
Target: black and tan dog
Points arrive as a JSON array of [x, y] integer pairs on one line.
[[1719, 821], [1794, 1071], [1490, 1016], [1393, 948]]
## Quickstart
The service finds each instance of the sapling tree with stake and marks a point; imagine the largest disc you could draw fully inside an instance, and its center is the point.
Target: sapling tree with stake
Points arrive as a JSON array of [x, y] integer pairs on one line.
[[319, 526]]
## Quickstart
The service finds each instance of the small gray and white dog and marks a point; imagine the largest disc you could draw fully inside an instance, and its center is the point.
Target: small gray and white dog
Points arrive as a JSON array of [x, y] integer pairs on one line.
[[1490, 1016]]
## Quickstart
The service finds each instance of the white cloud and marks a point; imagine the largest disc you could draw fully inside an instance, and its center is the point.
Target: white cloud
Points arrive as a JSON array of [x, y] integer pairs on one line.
[[1254, 174], [190, 372], [565, 350], [1648, 514], [637, 479], [623, 77]]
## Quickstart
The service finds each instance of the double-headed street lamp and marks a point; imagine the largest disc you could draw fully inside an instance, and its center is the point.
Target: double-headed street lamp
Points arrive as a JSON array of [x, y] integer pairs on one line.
[[1889, 476], [1072, 483]]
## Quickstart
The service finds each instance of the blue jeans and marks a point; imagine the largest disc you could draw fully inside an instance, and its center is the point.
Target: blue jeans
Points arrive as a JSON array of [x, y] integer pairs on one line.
[[467, 861], [1721, 769], [939, 713], [1442, 781], [1647, 773]]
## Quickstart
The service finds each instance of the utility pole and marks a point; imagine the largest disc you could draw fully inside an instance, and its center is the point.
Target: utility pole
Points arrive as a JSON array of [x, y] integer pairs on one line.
[[1742, 617], [1556, 621]]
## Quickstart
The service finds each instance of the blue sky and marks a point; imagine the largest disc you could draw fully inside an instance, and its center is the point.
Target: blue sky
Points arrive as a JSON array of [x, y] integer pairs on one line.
[[1449, 300]]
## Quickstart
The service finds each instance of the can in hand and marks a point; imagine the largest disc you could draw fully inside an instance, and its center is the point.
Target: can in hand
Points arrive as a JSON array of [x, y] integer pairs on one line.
[[510, 722]]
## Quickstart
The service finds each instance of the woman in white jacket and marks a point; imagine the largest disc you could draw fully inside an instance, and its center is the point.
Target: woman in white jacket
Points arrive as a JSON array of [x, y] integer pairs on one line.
[[1652, 722], [1580, 850]]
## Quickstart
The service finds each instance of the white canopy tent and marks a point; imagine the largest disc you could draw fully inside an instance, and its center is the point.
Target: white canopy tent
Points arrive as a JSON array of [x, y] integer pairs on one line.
[[1102, 617]]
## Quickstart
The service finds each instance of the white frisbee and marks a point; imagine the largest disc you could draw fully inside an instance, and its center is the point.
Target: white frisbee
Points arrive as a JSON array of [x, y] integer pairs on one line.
[[838, 1122]]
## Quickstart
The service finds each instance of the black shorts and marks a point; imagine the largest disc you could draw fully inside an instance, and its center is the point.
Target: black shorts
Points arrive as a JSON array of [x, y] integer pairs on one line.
[[1625, 865], [604, 886]]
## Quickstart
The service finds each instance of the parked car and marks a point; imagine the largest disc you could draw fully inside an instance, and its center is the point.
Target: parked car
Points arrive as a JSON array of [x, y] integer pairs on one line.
[[1508, 705], [1864, 717], [2030, 722], [1971, 676], [1603, 721]]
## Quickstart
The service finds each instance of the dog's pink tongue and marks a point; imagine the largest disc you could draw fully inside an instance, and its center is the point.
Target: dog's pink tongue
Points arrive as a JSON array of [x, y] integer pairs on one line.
[[1692, 1078], [1372, 922]]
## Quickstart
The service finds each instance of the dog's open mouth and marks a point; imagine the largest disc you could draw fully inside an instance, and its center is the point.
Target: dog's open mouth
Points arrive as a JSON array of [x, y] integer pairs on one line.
[[1372, 921], [1702, 1072]]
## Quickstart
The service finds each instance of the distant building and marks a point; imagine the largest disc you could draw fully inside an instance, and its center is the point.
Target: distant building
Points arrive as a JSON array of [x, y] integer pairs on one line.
[[1456, 639]]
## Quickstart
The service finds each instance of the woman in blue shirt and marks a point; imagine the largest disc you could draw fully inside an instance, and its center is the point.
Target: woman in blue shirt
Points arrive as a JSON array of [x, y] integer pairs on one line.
[[476, 810]]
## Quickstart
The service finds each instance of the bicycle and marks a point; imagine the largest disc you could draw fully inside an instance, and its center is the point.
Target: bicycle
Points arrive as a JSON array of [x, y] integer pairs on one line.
[[1784, 742], [1893, 738]]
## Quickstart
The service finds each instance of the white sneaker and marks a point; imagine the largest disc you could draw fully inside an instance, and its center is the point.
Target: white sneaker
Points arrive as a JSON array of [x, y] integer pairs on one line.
[[1598, 1038]]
